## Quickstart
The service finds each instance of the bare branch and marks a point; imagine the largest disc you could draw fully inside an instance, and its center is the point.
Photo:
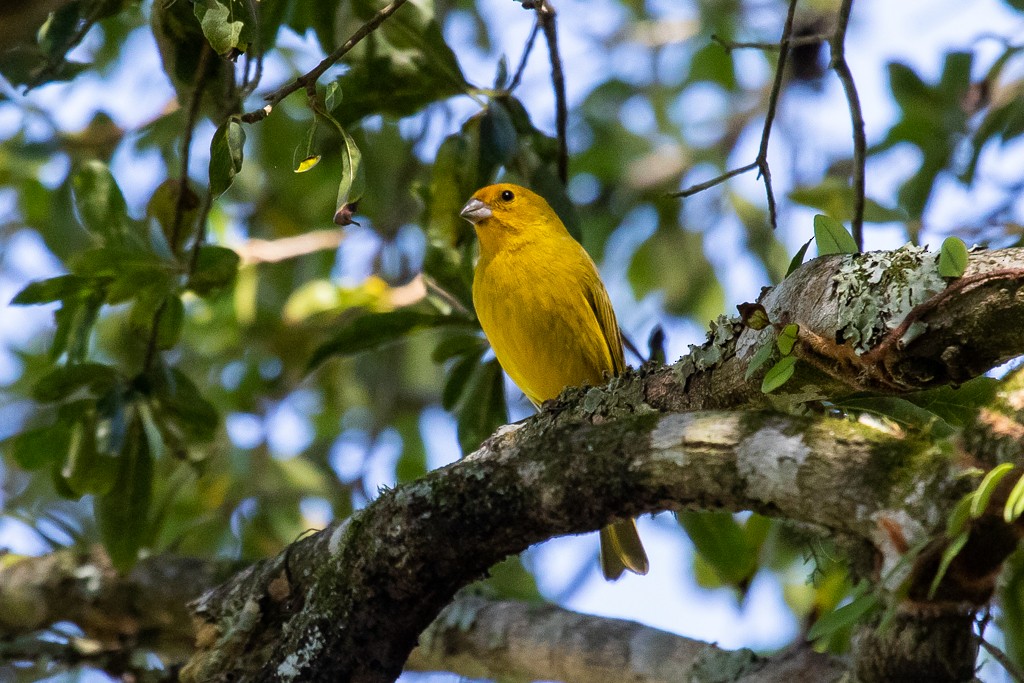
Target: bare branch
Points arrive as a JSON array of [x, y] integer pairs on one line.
[[700, 187], [308, 80], [769, 117], [480, 638], [761, 162], [842, 69], [546, 18], [526, 56]]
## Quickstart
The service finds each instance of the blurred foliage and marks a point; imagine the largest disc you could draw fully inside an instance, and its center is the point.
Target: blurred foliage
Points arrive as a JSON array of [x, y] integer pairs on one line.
[[171, 405]]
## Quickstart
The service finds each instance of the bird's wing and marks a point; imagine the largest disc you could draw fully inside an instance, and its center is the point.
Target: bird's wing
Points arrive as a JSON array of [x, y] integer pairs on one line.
[[597, 297]]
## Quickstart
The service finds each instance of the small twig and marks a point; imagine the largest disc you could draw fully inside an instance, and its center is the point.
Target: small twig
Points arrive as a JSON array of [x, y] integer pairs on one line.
[[842, 69], [204, 211], [526, 56], [700, 187], [1003, 660], [769, 117], [250, 84], [310, 78], [192, 116], [546, 17], [772, 47], [761, 162]]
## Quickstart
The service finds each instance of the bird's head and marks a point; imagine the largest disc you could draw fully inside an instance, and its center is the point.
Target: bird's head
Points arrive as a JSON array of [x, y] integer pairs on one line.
[[506, 212]]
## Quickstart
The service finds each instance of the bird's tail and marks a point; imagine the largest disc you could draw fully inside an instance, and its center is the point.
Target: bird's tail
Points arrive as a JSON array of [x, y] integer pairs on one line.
[[621, 549]]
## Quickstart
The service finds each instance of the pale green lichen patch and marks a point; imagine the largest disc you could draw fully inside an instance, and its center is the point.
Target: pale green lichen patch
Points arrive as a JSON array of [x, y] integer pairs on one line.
[[711, 353], [294, 665], [877, 290]]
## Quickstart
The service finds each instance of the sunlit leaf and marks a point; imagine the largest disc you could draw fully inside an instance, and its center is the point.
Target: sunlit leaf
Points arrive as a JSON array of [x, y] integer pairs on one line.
[[224, 23], [778, 374], [831, 237], [98, 201], [952, 257]]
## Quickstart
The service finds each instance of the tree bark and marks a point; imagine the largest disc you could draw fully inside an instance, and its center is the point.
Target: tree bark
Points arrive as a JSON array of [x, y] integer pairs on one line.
[[349, 602]]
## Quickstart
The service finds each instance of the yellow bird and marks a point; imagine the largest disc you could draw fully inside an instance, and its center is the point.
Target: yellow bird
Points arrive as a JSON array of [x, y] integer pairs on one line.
[[548, 318]]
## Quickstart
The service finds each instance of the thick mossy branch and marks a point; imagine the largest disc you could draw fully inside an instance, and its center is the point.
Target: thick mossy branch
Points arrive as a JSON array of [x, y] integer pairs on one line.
[[349, 602], [881, 321]]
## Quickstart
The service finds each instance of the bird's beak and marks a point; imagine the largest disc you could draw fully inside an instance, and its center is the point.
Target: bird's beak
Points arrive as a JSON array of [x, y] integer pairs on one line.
[[475, 211]]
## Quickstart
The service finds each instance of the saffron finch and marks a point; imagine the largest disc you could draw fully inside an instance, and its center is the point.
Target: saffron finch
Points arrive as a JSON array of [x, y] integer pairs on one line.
[[548, 318]]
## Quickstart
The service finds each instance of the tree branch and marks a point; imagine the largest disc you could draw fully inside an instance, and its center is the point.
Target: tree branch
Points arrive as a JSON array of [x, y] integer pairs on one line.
[[479, 638], [474, 636], [761, 161], [310, 78], [842, 69], [349, 602], [546, 18]]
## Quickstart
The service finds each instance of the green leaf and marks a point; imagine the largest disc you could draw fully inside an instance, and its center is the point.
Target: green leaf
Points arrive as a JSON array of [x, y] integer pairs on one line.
[[171, 320], [461, 371], [798, 258], [122, 515], [1014, 507], [53, 289], [399, 68], [86, 470], [953, 257], [75, 320], [482, 409], [831, 237], [902, 411], [226, 149], [224, 24], [983, 494], [216, 269], [182, 414], [35, 448], [59, 384], [787, 338], [961, 514], [847, 616], [723, 543], [163, 206], [353, 178], [778, 374], [98, 201], [373, 330], [948, 555], [456, 345], [957, 406], [764, 352]]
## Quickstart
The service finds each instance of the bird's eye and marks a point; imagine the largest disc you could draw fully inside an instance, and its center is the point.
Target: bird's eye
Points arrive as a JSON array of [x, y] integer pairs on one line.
[[507, 196]]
